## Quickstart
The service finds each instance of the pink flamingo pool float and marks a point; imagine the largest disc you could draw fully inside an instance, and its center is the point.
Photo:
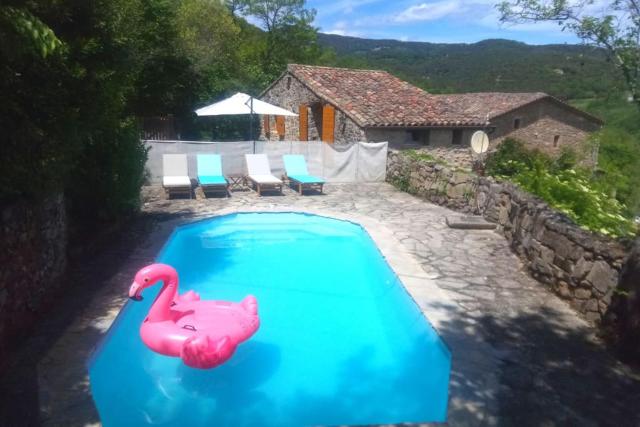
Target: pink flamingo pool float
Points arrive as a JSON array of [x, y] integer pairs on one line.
[[204, 334]]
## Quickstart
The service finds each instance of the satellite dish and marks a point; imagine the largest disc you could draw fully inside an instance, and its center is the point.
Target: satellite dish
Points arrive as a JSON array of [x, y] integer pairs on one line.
[[479, 142]]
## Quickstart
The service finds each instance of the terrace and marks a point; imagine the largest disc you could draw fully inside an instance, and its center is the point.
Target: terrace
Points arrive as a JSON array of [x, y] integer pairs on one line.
[[520, 355]]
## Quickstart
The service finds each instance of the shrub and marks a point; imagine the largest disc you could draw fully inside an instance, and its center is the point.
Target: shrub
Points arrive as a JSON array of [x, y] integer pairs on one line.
[[106, 179], [564, 186]]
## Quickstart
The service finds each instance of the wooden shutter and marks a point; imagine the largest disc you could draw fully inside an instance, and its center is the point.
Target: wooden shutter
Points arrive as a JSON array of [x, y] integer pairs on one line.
[[266, 126], [304, 123], [328, 123], [280, 126]]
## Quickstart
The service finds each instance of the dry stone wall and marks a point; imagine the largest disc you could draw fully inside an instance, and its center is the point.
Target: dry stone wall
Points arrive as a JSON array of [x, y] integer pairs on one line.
[[577, 265], [33, 259]]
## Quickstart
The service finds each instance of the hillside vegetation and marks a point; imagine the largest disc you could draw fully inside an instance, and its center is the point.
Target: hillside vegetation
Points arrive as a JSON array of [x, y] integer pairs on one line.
[[566, 71]]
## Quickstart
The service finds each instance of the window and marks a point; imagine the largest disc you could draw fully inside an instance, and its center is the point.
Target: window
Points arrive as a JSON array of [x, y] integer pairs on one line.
[[420, 136], [516, 123], [288, 82], [457, 137], [556, 140]]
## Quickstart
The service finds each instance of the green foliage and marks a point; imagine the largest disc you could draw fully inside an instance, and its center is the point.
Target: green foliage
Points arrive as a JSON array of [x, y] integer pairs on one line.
[[563, 185], [420, 155], [613, 26], [289, 35], [619, 149], [66, 118], [23, 32], [108, 173]]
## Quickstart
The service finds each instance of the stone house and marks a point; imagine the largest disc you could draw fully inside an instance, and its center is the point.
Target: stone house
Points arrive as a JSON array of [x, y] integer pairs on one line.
[[339, 105]]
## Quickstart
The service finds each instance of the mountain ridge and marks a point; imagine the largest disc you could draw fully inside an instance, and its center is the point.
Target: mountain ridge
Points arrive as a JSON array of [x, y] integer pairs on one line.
[[567, 71]]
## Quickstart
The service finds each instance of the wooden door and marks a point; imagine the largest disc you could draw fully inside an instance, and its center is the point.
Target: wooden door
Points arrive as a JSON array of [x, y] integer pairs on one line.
[[280, 127], [328, 123], [303, 115]]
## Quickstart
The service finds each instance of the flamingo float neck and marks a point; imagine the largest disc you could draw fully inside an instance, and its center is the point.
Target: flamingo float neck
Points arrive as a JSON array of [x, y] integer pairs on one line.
[[149, 276]]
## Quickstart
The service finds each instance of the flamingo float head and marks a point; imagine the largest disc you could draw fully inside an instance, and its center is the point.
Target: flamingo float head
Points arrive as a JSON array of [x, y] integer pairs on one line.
[[149, 276]]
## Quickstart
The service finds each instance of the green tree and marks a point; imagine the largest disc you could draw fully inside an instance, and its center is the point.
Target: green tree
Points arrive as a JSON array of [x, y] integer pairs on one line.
[[66, 75], [614, 26], [290, 36]]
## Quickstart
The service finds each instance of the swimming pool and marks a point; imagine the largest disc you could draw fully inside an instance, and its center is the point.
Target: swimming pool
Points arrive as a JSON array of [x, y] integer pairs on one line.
[[340, 341]]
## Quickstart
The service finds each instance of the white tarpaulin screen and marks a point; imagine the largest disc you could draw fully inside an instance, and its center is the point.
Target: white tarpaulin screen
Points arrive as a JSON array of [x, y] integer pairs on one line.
[[372, 162], [359, 162]]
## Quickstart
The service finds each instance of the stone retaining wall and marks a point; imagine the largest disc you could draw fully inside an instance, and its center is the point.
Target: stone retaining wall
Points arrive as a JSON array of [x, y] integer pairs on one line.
[[577, 265], [33, 259], [622, 321], [432, 180]]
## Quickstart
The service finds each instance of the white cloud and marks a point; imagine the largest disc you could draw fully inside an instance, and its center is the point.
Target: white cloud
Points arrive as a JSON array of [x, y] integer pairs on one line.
[[342, 28], [347, 33], [429, 11]]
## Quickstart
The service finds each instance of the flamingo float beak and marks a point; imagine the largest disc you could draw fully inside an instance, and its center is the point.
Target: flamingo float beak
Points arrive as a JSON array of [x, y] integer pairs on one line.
[[135, 291]]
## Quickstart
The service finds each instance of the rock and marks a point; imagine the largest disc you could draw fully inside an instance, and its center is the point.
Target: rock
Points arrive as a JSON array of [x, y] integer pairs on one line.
[[602, 276], [592, 316], [503, 215], [563, 289], [582, 268], [582, 293], [602, 307], [591, 305], [547, 254]]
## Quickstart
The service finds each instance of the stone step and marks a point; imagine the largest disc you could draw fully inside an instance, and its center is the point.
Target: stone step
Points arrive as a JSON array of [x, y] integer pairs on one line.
[[467, 222]]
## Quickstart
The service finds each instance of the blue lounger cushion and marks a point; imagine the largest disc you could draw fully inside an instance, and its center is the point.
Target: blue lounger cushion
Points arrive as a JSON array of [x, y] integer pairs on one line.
[[296, 168], [306, 179], [212, 180], [210, 170]]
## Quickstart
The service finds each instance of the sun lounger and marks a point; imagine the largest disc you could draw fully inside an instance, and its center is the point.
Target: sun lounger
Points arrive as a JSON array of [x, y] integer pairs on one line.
[[210, 174], [175, 174], [259, 173], [296, 171]]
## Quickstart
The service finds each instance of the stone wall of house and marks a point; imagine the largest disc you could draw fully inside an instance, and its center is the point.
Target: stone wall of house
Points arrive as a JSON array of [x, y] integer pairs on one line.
[[290, 93], [397, 138], [540, 122], [33, 259], [552, 136], [577, 265], [439, 144]]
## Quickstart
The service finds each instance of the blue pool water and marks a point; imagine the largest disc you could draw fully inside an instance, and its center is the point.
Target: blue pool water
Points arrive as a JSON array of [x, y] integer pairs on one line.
[[340, 341]]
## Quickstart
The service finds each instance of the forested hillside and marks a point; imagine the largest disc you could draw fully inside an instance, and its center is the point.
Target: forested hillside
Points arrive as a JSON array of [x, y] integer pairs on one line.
[[566, 71]]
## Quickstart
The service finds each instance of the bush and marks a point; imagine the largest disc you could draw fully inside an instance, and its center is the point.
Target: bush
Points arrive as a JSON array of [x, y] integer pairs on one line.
[[106, 179], [564, 186]]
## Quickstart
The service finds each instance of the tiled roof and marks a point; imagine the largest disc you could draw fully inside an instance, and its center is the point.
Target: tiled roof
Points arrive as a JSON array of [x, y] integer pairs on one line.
[[375, 98], [485, 105]]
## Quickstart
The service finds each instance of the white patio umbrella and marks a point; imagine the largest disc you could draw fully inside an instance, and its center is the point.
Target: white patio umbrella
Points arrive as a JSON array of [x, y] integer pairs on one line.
[[241, 103]]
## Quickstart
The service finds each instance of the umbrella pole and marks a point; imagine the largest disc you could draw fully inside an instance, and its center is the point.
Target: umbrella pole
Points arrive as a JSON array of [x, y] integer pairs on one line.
[[251, 124]]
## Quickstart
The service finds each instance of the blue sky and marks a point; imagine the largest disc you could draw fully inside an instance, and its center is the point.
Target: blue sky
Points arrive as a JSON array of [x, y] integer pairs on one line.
[[438, 21]]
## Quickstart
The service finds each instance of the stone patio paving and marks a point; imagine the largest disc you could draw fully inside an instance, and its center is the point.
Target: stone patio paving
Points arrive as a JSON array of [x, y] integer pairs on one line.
[[521, 356]]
